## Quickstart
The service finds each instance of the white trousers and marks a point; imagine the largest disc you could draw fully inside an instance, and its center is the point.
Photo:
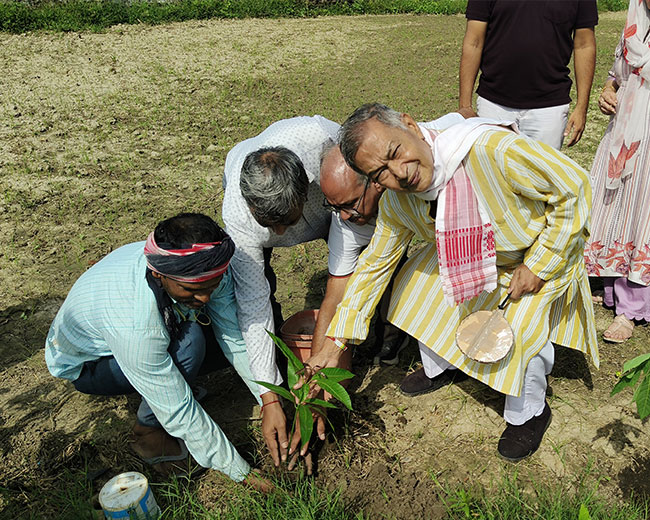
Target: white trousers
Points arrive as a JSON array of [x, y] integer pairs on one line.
[[517, 410], [542, 124]]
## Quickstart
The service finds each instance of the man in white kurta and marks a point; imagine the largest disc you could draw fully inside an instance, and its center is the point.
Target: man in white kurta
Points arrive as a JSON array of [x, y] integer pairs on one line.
[[305, 137]]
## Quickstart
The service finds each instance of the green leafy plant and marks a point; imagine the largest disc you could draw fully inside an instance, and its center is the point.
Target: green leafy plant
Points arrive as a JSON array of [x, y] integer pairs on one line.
[[630, 376], [329, 379]]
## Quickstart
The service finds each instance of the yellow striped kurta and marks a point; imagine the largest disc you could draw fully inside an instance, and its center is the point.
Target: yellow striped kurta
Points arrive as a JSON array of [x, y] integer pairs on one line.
[[538, 201]]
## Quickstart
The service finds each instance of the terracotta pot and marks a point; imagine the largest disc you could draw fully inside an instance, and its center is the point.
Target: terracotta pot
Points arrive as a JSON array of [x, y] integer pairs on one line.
[[298, 331]]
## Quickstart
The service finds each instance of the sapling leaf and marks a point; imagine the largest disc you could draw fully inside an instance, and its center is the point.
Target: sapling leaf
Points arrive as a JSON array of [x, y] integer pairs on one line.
[[642, 398], [584, 513], [293, 360], [301, 393], [634, 377], [320, 402], [337, 391], [292, 377], [635, 362], [620, 385], [327, 378], [306, 424], [627, 380], [277, 389], [333, 374]]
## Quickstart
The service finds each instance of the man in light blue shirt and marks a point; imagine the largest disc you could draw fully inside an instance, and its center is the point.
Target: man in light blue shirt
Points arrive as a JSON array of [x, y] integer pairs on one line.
[[131, 323]]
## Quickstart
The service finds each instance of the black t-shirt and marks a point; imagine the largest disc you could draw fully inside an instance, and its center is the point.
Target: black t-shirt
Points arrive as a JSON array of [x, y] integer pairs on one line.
[[527, 49]]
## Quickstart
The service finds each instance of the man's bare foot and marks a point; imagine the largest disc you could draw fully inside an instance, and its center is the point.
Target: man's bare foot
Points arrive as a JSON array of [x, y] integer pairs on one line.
[[166, 454], [151, 443]]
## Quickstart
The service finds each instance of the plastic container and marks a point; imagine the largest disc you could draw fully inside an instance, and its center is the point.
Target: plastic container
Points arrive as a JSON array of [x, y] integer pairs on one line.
[[298, 331], [128, 495]]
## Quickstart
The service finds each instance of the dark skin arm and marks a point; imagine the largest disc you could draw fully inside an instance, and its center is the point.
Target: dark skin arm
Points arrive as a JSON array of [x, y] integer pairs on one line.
[[274, 427], [333, 296]]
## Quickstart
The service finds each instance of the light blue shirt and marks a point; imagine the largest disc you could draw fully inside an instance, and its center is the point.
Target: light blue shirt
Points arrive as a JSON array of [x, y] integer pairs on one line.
[[111, 310]]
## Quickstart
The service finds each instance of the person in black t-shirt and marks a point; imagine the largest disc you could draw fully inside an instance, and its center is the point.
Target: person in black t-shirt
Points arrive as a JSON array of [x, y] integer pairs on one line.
[[523, 49]]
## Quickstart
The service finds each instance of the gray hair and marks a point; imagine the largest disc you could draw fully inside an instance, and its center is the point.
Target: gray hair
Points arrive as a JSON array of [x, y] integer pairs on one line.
[[328, 146], [274, 184], [352, 132]]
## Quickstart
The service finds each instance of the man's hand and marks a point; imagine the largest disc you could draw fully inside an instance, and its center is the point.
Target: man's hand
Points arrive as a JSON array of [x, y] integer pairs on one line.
[[256, 481], [329, 356], [575, 126], [319, 419], [467, 112], [524, 282], [274, 428]]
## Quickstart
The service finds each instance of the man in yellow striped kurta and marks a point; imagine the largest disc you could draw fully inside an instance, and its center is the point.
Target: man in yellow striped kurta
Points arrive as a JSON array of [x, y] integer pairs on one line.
[[537, 201]]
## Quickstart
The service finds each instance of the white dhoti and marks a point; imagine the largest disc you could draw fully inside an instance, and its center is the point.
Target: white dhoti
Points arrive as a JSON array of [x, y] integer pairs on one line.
[[517, 410]]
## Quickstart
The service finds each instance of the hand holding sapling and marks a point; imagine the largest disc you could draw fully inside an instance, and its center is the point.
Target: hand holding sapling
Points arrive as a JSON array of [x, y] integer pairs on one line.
[[329, 379]]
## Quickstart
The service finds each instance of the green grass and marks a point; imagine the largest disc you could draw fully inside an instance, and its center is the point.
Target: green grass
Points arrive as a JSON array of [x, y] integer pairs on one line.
[[511, 500], [83, 15], [299, 500], [71, 496]]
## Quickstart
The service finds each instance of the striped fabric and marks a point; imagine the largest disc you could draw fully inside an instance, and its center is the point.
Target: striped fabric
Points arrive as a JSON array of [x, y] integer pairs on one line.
[[538, 202]]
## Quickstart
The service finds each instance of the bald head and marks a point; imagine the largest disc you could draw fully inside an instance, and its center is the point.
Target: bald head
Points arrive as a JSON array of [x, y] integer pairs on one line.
[[350, 193], [334, 170]]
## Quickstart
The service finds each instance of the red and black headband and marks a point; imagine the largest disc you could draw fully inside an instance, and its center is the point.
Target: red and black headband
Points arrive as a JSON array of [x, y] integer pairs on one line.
[[195, 264]]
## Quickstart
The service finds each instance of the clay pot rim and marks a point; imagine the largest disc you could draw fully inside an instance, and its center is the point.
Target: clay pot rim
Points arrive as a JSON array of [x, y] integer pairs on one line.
[[309, 313]]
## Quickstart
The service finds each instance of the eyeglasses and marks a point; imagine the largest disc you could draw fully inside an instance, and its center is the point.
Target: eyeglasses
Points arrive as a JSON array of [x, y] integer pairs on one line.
[[351, 209]]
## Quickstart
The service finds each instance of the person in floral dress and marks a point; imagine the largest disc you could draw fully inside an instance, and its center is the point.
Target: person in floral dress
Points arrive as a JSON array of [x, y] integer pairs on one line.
[[619, 247]]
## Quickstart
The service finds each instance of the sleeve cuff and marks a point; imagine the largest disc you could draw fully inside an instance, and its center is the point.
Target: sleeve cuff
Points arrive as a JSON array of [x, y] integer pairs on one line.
[[349, 324], [275, 379], [543, 262], [238, 470]]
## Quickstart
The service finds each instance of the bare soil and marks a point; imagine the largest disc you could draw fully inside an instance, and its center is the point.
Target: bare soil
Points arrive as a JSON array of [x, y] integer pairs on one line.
[[105, 134]]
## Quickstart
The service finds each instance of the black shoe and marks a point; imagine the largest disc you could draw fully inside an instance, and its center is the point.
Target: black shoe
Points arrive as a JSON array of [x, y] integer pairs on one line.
[[518, 442], [389, 352], [418, 383]]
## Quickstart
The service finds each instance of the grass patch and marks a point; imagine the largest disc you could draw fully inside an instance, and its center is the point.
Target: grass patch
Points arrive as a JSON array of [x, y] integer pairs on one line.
[[72, 498], [82, 15], [301, 500], [511, 500], [85, 15]]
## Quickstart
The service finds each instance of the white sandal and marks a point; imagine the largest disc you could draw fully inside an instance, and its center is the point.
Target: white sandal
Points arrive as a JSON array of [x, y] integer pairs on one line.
[[620, 323]]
